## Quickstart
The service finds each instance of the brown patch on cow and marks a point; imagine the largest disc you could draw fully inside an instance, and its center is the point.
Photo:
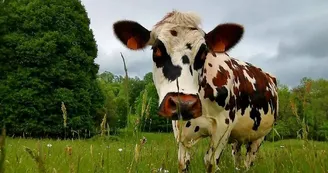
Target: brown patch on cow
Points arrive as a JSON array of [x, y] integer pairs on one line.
[[221, 78], [229, 64], [268, 95], [205, 70], [208, 90], [227, 120], [174, 33], [274, 80], [262, 79], [235, 91]]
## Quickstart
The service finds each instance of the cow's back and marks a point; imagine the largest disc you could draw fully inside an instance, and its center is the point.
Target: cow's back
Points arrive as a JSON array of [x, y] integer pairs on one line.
[[244, 91], [256, 101]]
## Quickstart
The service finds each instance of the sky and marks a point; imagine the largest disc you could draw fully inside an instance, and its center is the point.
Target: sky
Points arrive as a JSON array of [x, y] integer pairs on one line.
[[288, 39]]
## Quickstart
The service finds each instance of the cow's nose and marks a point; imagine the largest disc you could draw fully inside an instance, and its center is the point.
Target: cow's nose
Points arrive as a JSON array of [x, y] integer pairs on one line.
[[176, 104]]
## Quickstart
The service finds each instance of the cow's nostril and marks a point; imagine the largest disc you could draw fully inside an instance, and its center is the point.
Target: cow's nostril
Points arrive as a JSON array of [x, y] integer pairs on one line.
[[172, 103], [195, 104], [187, 106]]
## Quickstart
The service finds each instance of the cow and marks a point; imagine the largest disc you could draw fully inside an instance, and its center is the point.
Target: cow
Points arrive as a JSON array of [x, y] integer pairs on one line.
[[204, 91]]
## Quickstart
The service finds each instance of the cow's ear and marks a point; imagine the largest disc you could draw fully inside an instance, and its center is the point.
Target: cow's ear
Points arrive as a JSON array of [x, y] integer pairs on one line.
[[131, 34], [224, 36]]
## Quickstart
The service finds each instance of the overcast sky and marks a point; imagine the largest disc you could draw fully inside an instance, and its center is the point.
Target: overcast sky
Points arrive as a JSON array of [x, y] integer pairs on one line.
[[286, 38]]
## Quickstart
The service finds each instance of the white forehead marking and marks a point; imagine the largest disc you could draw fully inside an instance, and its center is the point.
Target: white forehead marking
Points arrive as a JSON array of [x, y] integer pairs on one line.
[[182, 22], [177, 19], [188, 19]]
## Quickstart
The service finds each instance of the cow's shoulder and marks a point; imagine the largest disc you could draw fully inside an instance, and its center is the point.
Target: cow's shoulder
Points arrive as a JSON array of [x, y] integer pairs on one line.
[[250, 78]]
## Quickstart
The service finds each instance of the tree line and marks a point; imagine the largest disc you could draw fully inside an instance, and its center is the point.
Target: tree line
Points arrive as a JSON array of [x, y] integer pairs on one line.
[[50, 86]]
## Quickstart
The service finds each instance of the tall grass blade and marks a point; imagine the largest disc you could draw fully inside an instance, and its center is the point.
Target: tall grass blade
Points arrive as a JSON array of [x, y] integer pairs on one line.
[[2, 151]]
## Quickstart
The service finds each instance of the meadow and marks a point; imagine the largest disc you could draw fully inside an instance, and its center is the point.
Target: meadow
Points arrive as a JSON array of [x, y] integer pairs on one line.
[[51, 64], [156, 153]]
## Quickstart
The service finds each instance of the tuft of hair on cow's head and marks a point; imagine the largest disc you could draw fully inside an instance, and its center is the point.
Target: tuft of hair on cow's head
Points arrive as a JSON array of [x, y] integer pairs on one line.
[[179, 49]]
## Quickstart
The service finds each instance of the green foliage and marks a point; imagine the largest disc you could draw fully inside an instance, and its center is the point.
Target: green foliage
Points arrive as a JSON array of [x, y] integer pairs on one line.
[[303, 111], [47, 54], [115, 101], [150, 120], [115, 104]]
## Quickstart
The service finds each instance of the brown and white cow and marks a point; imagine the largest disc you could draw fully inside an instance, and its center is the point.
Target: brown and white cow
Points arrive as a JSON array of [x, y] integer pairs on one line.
[[202, 89]]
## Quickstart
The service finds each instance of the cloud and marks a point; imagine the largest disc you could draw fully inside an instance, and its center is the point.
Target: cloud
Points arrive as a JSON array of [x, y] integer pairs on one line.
[[138, 62], [285, 38], [301, 51]]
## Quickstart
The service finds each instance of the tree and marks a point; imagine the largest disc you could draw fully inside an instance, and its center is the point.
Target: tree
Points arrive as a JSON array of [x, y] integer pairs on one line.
[[150, 120], [303, 109], [47, 57]]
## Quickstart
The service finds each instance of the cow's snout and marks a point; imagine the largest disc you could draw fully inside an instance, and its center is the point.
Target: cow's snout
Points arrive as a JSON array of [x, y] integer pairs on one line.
[[176, 104]]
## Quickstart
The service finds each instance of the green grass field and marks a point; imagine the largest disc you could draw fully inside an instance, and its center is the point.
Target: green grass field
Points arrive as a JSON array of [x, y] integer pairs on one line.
[[160, 151]]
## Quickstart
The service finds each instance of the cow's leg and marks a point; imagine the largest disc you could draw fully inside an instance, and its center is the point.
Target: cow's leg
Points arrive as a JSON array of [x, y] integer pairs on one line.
[[236, 153], [183, 152], [219, 140], [191, 132], [252, 149], [184, 158]]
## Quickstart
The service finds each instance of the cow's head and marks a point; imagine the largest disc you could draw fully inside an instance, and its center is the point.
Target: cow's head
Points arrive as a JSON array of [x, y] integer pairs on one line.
[[179, 48]]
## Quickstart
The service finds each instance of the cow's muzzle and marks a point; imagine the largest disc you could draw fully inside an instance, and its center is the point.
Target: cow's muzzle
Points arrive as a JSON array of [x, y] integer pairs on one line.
[[180, 106]]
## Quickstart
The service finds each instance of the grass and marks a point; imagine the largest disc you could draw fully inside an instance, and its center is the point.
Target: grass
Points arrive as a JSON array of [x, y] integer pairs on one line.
[[160, 151]]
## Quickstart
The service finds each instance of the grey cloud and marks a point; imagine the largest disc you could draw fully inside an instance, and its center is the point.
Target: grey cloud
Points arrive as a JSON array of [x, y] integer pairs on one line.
[[291, 70], [314, 45], [138, 62]]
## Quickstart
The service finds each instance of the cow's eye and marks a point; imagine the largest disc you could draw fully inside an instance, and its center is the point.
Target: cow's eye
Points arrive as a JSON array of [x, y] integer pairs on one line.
[[157, 52], [203, 56]]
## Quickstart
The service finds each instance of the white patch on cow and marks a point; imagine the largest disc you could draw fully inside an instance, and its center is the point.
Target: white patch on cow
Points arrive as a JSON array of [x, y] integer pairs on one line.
[[175, 129], [176, 48], [243, 131], [272, 87]]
